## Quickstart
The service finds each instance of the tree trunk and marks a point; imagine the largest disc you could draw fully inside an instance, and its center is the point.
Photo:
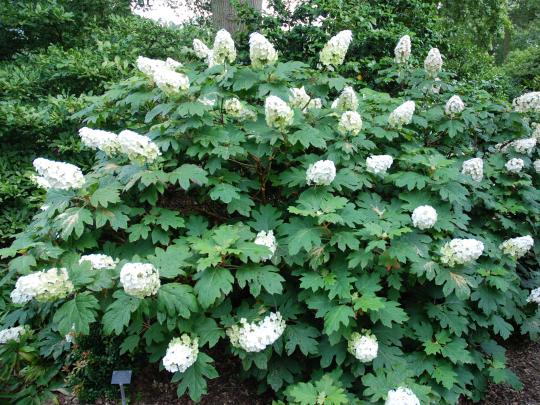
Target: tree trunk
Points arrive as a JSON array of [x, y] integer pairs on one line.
[[224, 14]]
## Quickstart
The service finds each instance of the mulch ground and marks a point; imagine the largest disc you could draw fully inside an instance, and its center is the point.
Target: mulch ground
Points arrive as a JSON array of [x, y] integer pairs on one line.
[[153, 388]]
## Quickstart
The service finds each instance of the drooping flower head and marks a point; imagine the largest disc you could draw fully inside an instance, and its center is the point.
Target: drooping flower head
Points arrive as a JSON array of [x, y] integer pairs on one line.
[[140, 279], [454, 106], [461, 251], [255, 337], [261, 51], [148, 66], [515, 165], [433, 62], [269, 240], [58, 175], [536, 165], [401, 396], [333, 53], [528, 102], [525, 146], [233, 107], [350, 123], [363, 347], [224, 49], [402, 51], [43, 286], [517, 247], [138, 148], [298, 98], [99, 261], [347, 100], [424, 217], [181, 354], [12, 334], [170, 81], [402, 115], [320, 173], [473, 167], [534, 296], [97, 139], [201, 50], [379, 164], [278, 113]]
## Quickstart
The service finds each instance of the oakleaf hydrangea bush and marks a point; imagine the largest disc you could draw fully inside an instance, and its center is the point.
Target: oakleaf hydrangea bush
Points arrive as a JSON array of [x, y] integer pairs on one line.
[[346, 245]]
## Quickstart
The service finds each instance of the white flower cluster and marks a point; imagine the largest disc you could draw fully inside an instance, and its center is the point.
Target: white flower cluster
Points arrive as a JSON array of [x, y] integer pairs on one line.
[[517, 247], [181, 354], [298, 98], [224, 49], [433, 62], [9, 334], [514, 165], [536, 130], [534, 296], [402, 50], [140, 279], [401, 396], [261, 51], [150, 66], [350, 123], [333, 53], [99, 140], [473, 167], [461, 251], [201, 50], [278, 113], [170, 81], [269, 240], [424, 217], [363, 347], [525, 146], [528, 102], [536, 165], [163, 73], [58, 175], [347, 100], [43, 286], [233, 107], [454, 106], [255, 337], [402, 115], [321, 172], [379, 164], [138, 148], [99, 261]]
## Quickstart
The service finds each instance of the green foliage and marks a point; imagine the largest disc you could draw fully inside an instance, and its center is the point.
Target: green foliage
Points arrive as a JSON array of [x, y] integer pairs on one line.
[[348, 257], [41, 90]]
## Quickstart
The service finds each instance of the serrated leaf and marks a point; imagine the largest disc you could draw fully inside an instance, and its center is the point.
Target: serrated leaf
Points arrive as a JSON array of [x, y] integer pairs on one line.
[[78, 313], [176, 299], [118, 314], [302, 336], [187, 174], [193, 380], [104, 196], [73, 221], [338, 315], [258, 277], [213, 284]]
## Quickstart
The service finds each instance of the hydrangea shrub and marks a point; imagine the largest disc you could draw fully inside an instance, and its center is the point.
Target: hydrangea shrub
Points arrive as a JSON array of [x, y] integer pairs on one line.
[[345, 245]]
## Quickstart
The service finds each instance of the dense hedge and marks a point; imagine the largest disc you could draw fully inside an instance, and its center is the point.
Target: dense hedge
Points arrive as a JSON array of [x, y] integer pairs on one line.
[[245, 198], [40, 91]]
